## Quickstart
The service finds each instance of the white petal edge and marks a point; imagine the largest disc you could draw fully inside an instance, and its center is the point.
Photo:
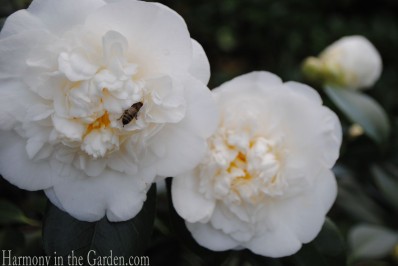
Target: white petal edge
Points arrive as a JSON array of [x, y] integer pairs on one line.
[[17, 168], [160, 35], [304, 90], [61, 15], [276, 243], [114, 194], [305, 214], [185, 195], [183, 150], [202, 114], [253, 83], [20, 21], [211, 238], [200, 67]]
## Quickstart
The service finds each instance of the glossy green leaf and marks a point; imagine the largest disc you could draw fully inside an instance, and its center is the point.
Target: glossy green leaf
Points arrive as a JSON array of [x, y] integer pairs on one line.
[[330, 242], [11, 214], [62, 233], [363, 110], [356, 203], [387, 184], [369, 241]]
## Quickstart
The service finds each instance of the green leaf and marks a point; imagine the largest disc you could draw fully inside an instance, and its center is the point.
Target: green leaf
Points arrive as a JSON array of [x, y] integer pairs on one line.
[[354, 201], [330, 242], [326, 249], [62, 233], [11, 214], [387, 184], [369, 241], [363, 110], [309, 256], [359, 206], [33, 246], [11, 239]]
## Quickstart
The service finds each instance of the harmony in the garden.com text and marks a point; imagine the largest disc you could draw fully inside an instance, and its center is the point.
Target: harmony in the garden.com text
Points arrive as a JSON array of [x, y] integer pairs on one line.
[[92, 258]]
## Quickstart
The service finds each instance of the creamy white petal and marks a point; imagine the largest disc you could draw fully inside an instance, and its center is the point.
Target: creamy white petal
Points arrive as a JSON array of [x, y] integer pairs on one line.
[[332, 136], [61, 15], [76, 66], [14, 51], [202, 114], [20, 21], [304, 90], [16, 166], [275, 243], [326, 189], [200, 67], [227, 222], [185, 195], [254, 84], [69, 128], [183, 150], [211, 238], [50, 193], [161, 40], [90, 198]]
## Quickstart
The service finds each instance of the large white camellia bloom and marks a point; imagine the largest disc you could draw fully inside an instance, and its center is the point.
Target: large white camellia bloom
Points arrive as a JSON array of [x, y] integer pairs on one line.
[[69, 70], [351, 62], [266, 182]]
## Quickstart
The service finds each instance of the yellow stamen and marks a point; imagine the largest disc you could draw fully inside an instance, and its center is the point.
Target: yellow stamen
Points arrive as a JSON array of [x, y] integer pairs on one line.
[[101, 122]]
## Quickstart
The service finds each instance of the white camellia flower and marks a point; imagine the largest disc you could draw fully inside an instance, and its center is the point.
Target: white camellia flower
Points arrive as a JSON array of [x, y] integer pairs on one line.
[[352, 62], [97, 98], [266, 182]]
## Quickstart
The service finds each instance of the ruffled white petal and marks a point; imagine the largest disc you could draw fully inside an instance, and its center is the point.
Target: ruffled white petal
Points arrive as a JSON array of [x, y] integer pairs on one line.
[[15, 49], [202, 114], [200, 67], [118, 196], [253, 83], [326, 190], [161, 37], [304, 90], [19, 22], [211, 238], [16, 166], [182, 150], [185, 195], [61, 15], [275, 243]]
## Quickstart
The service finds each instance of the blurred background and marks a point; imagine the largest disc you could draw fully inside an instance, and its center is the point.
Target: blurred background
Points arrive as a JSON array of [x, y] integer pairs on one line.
[[274, 35]]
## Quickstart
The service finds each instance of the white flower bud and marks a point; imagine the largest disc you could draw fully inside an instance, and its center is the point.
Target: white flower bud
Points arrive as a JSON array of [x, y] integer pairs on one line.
[[351, 62]]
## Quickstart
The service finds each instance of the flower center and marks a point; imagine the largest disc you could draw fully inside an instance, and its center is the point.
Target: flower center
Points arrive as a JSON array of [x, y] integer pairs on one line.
[[101, 122], [241, 168], [96, 107]]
